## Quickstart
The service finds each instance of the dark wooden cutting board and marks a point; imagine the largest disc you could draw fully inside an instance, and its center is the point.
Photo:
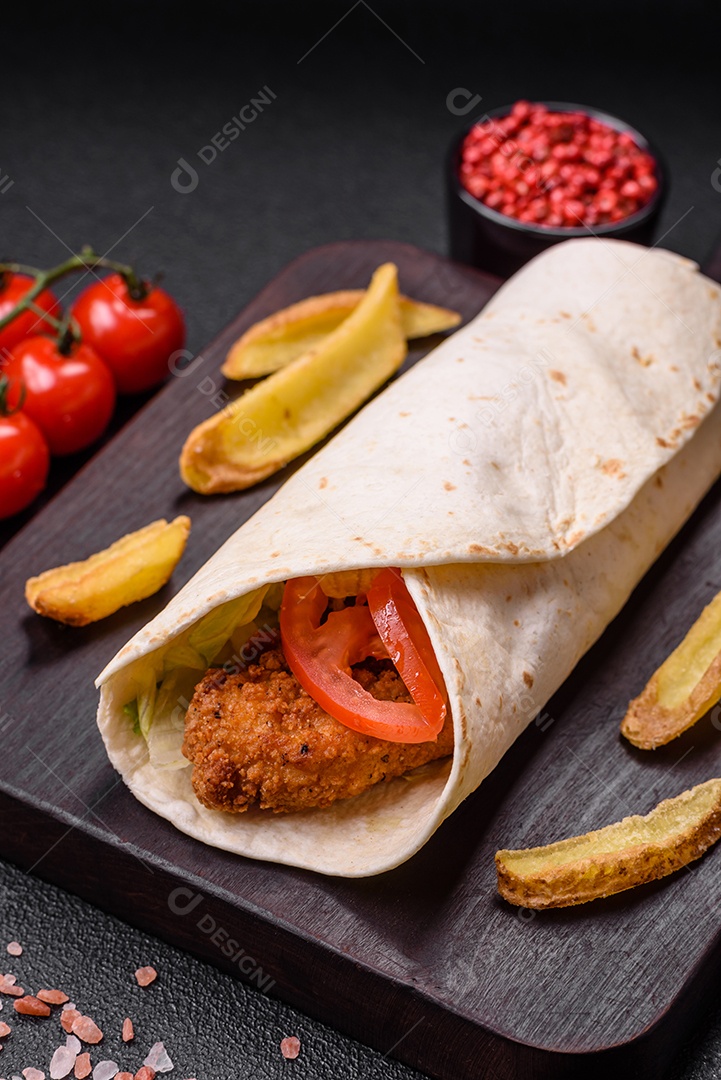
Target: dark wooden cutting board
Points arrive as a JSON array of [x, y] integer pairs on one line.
[[425, 963]]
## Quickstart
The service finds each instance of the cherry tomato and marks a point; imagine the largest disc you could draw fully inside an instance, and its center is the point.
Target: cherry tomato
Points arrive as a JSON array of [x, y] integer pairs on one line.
[[12, 289], [135, 338], [320, 656], [24, 463], [71, 398]]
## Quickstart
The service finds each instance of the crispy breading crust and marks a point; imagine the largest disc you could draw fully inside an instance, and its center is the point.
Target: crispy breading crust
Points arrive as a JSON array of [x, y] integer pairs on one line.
[[692, 823], [257, 738]]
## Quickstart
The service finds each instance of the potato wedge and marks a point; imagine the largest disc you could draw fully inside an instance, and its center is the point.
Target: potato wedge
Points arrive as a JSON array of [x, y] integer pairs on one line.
[[131, 569], [286, 335], [683, 689], [617, 857], [296, 407]]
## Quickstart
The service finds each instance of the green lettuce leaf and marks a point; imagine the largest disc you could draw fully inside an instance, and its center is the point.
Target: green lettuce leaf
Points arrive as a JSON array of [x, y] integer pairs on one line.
[[146, 703], [164, 692], [131, 711], [213, 631], [165, 736]]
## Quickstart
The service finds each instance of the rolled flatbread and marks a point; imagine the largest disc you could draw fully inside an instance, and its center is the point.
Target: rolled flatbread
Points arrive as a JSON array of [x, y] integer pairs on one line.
[[524, 476]]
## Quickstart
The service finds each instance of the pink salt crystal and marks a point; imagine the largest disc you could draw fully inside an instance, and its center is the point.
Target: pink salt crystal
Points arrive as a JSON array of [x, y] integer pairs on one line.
[[86, 1029], [128, 1032], [70, 1005], [73, 1043], [30, 1006], [158, 1059], [52, 997], [33, 1074], [5, 1029], [15, 948], [290, 1047], [62, 1063], [124, 1076], [68, 1018], [146, 975], [7, 986], [145, 1073], [105, 1070], [83, 1067]]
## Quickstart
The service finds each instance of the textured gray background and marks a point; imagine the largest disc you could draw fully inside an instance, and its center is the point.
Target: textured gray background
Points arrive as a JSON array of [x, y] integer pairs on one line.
[[98, 106]]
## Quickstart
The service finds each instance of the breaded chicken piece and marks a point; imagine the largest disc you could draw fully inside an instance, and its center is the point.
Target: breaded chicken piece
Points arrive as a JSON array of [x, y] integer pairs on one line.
[[257, 738]]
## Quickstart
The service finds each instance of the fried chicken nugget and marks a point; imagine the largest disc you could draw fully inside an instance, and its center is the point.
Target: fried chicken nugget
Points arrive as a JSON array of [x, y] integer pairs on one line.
[[257, 738]]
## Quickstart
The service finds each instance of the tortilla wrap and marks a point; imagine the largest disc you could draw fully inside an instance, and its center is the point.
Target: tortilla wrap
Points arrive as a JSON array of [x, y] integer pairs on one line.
[[524, 475]]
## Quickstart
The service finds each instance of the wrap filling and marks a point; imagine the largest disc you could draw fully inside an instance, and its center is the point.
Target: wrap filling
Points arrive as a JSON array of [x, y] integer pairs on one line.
[[311, 691]]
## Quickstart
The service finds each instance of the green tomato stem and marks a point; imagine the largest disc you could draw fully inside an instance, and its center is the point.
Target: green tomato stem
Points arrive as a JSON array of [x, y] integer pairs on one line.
[[44, 315], [19, 268], [68, 335], [86, 260], [5, 409]]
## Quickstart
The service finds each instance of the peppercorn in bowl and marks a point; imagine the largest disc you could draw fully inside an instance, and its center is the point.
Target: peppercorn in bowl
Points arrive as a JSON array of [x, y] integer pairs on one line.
[[530, 175]]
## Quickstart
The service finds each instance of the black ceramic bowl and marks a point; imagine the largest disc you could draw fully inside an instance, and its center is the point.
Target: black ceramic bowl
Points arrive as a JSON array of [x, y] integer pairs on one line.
[[489, 240]]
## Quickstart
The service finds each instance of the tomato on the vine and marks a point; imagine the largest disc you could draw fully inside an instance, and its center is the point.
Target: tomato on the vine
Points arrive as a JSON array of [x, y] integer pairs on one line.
[[13, 288], [69, 393], [135, 336], [24, 459]]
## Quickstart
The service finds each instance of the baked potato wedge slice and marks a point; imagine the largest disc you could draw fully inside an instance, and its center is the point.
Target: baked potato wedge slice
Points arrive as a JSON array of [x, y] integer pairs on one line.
[[683, 689], [281, 338], [293, 409], [131, 569], [617, 857]]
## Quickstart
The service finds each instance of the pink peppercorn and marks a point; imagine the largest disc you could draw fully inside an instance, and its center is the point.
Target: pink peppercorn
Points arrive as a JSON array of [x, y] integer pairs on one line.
[[556, 169]]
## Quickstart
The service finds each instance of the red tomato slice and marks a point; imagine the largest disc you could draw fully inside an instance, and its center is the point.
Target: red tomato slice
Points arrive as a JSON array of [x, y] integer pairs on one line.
[[404, 635], [320, 657]]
